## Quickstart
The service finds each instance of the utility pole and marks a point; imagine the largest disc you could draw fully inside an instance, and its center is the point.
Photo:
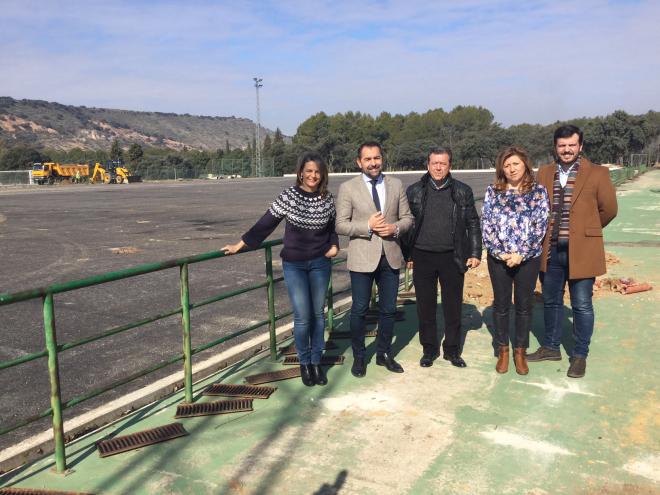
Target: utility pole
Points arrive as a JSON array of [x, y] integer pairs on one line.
[[258, 171]]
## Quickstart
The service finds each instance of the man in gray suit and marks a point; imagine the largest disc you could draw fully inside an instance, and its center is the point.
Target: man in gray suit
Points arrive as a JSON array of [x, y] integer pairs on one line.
[[372, 209]]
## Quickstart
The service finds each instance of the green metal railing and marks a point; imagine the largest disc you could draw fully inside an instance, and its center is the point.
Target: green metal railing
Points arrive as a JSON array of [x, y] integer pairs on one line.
[[53, 348], [619, 176]]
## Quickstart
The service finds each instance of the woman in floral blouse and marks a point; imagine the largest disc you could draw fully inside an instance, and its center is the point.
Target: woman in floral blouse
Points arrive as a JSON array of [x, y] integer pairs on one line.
[[513, 222]]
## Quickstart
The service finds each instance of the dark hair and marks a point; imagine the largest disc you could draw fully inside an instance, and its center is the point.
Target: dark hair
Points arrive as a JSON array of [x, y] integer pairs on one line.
[[439, 150], [500, 179], [369, 144], [566, 131], [311, 156]]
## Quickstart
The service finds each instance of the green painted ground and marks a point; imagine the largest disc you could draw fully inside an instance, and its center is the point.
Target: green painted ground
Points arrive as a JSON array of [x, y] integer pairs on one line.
[[436, 430]]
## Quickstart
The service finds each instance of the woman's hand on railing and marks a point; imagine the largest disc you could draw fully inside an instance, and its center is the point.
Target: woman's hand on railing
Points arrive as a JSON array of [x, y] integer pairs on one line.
[[332, 252], [233, 248]]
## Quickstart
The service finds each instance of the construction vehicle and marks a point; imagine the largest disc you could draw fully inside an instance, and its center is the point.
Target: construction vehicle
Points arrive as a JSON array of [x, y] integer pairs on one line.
[[114, 171], [50, 172]]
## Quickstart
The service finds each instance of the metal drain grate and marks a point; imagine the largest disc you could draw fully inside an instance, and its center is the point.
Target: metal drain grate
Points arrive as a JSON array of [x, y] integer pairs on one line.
[[347, 335], [247, 391], [407, 293], [291, 348], [398, 316], [273, 376], [216, 407], [34, 491], [404, 302], [140, 439], [324, 360]]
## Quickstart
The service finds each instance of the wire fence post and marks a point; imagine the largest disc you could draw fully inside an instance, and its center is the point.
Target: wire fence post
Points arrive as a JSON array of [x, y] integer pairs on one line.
[[54, 376], [185, 323], [271, 302]]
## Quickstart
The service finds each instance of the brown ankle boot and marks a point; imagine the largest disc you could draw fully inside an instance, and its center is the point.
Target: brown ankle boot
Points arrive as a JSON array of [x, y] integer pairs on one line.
[[502, 365], [520, 360]]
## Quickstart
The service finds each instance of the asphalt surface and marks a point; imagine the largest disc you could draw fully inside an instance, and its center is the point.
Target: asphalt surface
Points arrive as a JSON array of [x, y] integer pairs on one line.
[[67, 232]]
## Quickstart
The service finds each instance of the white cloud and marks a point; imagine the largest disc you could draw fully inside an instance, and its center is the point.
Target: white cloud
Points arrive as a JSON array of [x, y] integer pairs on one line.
[[534, 62]]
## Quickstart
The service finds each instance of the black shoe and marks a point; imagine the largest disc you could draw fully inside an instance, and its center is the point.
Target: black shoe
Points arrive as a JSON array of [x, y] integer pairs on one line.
[[428, 358], [306, 374], [578, 367], [544, 354], [318, 375], [389, 362], [359, 368], [455, 360]]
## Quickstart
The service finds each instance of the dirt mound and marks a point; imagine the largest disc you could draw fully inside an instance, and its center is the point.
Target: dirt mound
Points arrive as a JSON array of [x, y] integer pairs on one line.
[[479, 291]]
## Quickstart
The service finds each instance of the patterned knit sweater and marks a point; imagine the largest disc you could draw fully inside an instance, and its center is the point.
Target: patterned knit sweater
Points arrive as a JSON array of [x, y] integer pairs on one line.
[[310, 224]]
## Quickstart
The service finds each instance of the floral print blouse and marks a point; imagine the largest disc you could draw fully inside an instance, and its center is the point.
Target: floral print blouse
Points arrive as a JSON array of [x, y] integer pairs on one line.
[[515, 223]]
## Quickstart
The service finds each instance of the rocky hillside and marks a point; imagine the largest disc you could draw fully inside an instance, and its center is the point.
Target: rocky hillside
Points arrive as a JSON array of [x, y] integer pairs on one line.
[[52, 125]]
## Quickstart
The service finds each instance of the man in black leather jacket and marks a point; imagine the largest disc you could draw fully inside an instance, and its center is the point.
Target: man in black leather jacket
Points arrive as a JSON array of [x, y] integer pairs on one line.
[[443, 244]]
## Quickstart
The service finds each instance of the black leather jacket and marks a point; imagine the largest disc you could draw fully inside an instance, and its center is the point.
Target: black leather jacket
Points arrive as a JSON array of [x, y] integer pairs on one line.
[[465, 221]]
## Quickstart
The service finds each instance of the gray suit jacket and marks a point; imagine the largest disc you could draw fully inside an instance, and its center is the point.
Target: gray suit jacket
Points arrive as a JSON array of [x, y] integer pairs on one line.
[[354, 207]]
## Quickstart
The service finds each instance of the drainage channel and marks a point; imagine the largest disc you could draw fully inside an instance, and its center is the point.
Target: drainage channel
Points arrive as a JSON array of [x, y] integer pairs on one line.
[[325, 360], [140, 439], [217, 407], [273, 376], [245, 391], [33, 491], [291, 348], [347, 334]]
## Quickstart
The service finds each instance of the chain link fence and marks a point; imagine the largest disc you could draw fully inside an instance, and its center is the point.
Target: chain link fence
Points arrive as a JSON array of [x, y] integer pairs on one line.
[[216, 169]]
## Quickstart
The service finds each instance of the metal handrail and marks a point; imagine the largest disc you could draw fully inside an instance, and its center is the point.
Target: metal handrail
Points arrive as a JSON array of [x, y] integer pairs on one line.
[[53, 348]]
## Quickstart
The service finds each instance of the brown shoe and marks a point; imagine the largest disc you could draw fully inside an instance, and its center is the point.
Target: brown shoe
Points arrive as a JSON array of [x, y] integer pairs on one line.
[[502, 365], [520, 360], [544, 354], [578, 367]]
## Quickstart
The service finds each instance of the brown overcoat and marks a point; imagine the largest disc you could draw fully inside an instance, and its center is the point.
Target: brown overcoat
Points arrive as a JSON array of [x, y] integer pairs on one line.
[[593, 207]]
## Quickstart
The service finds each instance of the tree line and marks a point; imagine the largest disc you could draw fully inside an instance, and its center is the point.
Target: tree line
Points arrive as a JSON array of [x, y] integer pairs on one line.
[[471, 132]]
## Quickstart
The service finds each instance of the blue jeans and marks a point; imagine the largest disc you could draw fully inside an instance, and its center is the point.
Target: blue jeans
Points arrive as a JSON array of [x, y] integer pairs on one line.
[[307, 283], [387, 280], [581, 291]]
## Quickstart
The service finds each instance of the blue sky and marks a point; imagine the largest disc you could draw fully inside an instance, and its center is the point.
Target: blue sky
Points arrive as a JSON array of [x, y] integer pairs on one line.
[[533, 61]]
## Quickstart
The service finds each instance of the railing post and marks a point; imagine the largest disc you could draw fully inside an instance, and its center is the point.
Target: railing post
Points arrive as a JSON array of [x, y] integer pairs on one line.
[[185, 323], [54, 376], [331, 311], [271, 302]]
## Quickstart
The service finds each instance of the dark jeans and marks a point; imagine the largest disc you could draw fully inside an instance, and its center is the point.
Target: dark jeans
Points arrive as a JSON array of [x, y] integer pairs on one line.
[[428, 269], [307, 283], [523, 279], [387, 280], [581, 291]]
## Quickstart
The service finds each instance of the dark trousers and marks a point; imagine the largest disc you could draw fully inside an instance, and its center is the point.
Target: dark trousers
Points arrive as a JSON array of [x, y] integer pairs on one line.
[[523, 280], [428, 269], [387, 280]]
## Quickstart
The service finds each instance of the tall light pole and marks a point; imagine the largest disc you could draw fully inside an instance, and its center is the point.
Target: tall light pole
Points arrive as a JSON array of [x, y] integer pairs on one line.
[[259, 172]]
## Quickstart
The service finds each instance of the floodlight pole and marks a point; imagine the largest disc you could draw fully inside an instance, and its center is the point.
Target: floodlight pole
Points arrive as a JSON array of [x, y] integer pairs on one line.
[[257, 144]]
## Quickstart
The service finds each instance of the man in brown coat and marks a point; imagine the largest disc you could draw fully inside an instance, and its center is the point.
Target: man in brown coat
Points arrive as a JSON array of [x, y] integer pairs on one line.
[[583, 202]]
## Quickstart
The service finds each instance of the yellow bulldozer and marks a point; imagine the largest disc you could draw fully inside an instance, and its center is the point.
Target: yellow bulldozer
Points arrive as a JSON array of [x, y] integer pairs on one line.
[[113, 172]]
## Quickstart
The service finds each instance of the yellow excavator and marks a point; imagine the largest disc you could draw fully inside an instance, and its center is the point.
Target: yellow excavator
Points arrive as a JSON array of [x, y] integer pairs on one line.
[[114, 171]]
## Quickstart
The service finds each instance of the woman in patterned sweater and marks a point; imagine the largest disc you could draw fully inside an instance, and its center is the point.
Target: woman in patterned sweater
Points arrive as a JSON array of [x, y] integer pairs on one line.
[[513, 223], [310, 241]]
